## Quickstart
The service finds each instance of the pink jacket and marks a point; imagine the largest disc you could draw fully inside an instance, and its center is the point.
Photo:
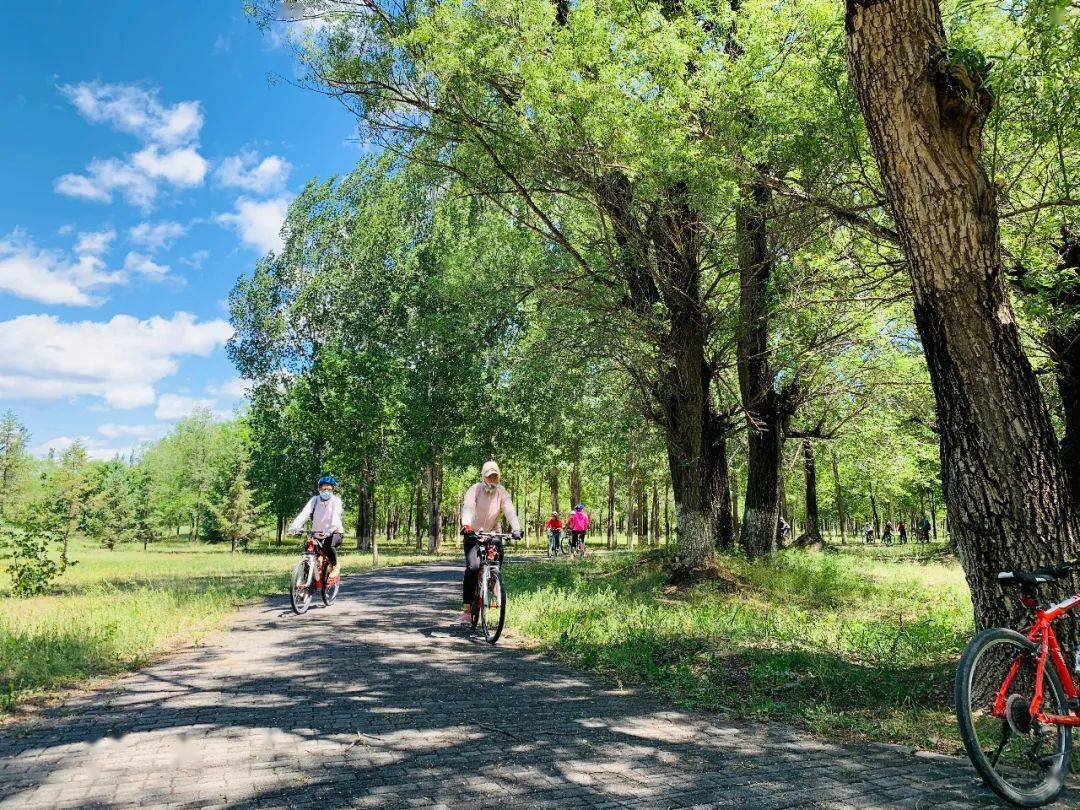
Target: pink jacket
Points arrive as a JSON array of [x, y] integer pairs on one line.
[[481, 509], [579, 521]]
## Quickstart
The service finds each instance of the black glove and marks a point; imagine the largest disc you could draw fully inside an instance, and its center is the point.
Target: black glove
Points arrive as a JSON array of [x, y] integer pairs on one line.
[[516, 535]]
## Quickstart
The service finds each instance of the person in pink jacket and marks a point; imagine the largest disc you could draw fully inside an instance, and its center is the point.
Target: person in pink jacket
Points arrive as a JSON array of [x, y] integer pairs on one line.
[[486, 502], [578, 524]]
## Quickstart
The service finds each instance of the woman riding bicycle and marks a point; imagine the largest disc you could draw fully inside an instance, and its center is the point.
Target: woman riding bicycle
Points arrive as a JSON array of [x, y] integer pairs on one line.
[[485, 502], [579, 524], [324, 511]]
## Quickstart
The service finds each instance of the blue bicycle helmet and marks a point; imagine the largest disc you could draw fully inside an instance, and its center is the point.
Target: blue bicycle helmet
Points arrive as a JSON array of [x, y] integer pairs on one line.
[[328, 479], [579, 507]]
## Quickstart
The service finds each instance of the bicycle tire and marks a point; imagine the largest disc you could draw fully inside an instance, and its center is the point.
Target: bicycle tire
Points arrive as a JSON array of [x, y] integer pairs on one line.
[[300, 602], [993, 775], [329, 589], [496, 594]]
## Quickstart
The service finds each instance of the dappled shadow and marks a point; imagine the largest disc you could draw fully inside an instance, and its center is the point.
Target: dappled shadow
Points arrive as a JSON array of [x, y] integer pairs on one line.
[[379, 700]]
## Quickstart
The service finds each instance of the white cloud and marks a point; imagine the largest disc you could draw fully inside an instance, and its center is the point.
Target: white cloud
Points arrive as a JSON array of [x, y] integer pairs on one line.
[[136, 180], [196, 259], [136, 111], [145, 266], [95, 243], [174, 406], [142, 433], [170, 154], [117, 360], [245, 171], [50, 277], [95, 448], [236, 388], [103, 178], [258, 223], [157, 235], [181, 167]]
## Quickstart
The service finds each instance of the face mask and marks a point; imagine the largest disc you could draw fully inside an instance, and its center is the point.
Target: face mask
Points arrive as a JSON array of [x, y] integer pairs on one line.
[[488, 487], [326, 494]]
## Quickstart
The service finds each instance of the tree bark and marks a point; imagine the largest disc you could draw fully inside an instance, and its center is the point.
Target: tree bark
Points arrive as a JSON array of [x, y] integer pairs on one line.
[[734, 506], [575, 477], [839, 497], [434, 475], [611, 507], [553, 482], [757, 384], [1063, 343], [1006, 493], [874, 512], [813, 527]]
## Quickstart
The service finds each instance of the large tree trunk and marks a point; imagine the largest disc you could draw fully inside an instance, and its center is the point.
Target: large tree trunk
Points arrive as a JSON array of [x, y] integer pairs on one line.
[[553, 482], [812, 530], [1007, 497], [757, 384], [575, 477], [435, 494], [610, 507], [839, 497], [1063, 343]]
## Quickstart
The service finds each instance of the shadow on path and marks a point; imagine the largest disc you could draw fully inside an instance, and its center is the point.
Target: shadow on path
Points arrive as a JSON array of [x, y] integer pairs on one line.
[[379, 701]]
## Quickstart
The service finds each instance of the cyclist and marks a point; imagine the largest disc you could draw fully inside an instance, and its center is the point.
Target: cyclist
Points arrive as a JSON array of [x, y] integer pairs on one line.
[[901, 528], [554, 533], [579, 524], [485, 502], [924, 530], [782, 530], [324, 511], [868, 532], [886, 536]]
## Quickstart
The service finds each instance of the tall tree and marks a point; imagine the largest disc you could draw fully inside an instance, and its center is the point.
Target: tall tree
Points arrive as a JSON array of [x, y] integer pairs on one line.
[[925, 105]]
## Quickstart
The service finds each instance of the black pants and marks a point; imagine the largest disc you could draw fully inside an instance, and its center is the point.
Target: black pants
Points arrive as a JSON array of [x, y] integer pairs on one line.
[[329, 544], [472, 567], [575, 538], [556, 539]]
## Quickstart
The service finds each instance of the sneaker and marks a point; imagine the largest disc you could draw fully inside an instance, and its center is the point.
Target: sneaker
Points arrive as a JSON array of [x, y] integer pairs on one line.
[[466, 619]]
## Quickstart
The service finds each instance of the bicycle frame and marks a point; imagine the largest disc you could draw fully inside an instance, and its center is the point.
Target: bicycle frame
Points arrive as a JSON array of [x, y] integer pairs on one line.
[[318, 560], [1042, 633]]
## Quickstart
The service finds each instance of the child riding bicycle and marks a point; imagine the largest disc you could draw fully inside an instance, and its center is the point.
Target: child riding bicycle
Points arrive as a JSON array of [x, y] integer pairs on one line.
[[324, 511], [554, 528]]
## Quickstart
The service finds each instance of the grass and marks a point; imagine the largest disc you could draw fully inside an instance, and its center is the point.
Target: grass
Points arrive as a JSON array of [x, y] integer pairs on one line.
[[115, 611], [860, 643]]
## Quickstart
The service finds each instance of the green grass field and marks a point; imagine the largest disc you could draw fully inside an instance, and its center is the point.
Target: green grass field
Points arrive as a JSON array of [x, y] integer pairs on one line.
[[860, 643], [118, 610]]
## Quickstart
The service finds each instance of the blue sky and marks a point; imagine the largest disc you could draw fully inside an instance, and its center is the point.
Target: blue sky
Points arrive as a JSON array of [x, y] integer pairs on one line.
[[148, 160]]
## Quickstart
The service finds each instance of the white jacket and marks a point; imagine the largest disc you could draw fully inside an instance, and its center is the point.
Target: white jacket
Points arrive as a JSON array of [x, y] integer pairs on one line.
[[325, 515]]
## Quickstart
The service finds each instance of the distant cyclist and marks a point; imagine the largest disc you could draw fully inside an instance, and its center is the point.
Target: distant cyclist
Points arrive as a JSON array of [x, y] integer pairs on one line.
[[324, 511], [579, 524], [554, 528], [924, 530], [886, 536], [485, 503], [783, 528], [868, 532], [901, 529]]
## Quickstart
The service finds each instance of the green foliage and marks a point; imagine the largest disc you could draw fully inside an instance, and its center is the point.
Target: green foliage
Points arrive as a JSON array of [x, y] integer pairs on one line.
[[31, 542], [841, 644]]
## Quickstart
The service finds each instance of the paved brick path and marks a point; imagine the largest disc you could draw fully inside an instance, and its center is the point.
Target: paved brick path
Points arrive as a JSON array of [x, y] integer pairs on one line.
[[408, 712]]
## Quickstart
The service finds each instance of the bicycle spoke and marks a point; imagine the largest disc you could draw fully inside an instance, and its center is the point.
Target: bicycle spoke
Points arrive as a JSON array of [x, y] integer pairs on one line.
[[1006, 732]]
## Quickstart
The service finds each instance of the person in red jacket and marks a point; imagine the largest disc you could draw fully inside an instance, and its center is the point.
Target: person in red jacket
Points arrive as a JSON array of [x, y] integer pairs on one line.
[[554, 534], [579, 524]]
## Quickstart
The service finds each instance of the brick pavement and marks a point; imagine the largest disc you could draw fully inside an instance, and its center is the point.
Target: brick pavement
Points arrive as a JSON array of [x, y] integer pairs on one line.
[[378, 702]]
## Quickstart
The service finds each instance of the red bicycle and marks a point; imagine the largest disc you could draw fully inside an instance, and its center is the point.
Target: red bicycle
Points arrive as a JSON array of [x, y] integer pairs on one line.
[[312, 573], [1016, 702]]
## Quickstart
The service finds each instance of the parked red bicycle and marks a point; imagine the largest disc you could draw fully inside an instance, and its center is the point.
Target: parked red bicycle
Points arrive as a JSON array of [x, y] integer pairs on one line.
[[1016, 702]]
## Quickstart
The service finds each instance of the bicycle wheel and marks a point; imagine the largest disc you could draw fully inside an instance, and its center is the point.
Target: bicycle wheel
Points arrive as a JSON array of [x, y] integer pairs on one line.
[[299, 592], [493, 609], [329, 589], [1021, 760]]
